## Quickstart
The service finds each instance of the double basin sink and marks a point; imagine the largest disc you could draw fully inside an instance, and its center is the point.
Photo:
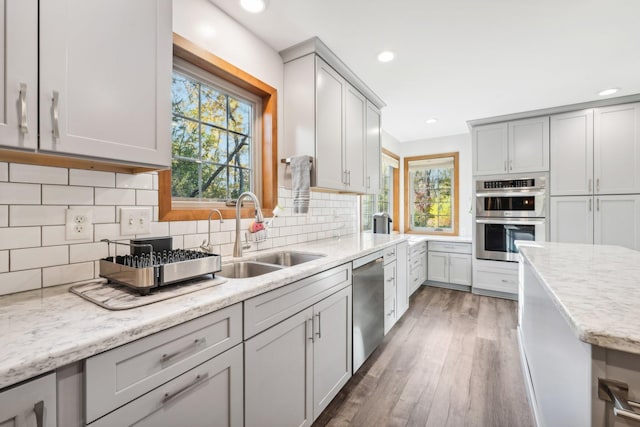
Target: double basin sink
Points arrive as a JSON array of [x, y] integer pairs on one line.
[[267, 263]]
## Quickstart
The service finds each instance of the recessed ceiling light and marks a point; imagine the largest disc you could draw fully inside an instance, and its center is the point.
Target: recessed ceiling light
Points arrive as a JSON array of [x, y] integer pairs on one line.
[[608, 91], [432, 120], [386, 56], [253, 6]]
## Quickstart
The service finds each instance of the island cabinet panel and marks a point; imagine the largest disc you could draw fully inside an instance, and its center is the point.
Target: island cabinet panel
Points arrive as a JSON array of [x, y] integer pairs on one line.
[[209, 394], [32, 403]]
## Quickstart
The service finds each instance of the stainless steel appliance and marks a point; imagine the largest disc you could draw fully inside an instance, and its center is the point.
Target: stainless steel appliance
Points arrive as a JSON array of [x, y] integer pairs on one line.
[[382, 223], [368, 306], [508, 210]]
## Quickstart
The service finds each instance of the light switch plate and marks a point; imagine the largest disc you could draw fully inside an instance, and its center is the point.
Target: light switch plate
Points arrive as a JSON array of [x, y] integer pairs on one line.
[[78, 224], [135, 221]]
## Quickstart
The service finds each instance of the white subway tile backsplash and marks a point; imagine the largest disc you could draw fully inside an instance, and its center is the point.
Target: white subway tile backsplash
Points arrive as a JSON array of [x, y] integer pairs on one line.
[[19, 237], [19, 194], [38, 174], [155, 181], [103, 214], [59, 275], [158, 229], [4, 171], [4, 215], [142, 181], [19, 281], [146, 198], [108, 231], [24, 259], [178, 242], [87, 252], [56, 235], [192, 241], [66, 195], [183, 227], [115, 196], [92, 178], [23, 215], [4, 261]]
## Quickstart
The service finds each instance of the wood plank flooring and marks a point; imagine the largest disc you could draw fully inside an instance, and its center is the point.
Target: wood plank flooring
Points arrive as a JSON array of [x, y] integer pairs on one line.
[[452, 360]]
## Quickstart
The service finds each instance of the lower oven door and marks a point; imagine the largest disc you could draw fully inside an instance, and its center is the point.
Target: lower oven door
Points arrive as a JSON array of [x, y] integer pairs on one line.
[[495, 238]]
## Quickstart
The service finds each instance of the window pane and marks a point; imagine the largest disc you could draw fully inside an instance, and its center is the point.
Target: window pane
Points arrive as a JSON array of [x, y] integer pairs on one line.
[[184, 96], [214, 145], [184, 178], [239, 116], [239, 153], [239, 181], [184, 134], [214, 181], [214, 107]]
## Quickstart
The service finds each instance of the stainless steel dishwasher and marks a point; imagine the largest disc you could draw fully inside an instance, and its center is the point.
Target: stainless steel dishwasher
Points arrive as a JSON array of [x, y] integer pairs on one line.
[[368, 306]]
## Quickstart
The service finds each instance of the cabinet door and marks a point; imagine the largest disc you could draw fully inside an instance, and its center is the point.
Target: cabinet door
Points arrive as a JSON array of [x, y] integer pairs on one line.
[[330, 90], [571, 219], [571, 149], [105, 79], [19, 73], [210, 391], [460, 269], [490, 145], [617, 221], [389, 313], [402, 280], [438, 269], [21, 406], [374, 147], [355, 139], [331, 348], [279, 375], [617, 149], [529, 145]]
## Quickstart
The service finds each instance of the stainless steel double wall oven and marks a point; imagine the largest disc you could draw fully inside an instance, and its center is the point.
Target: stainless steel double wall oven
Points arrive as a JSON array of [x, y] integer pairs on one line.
[[509, 209]]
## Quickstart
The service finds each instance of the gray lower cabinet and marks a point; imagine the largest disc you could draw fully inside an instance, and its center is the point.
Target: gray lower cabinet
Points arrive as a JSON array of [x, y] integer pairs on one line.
[[208, 395], [32, 403], [295, 368]]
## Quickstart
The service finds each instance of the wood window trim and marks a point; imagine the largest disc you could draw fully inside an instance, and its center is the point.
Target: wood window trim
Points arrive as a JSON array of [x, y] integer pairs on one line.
[[396, 190], [456, 187], [194, 54]]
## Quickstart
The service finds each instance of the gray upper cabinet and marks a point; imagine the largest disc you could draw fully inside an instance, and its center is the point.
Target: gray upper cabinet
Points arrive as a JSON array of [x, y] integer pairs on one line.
[[617, 149], [19, 74], [512, 147], [354, 143], [373, 150], [105, 83], [32, 403]]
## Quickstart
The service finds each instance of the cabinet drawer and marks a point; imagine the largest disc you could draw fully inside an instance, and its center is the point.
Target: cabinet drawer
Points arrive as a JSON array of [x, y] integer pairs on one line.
[[458, 248], [264, 311], [119, 376], [210, 391], [389, 254], [418, 249], [389, 313], [416, 261], [390, 279], [497, 280]]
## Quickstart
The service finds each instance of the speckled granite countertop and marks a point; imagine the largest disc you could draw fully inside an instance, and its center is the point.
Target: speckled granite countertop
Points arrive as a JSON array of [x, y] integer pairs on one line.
[[595, 287], [49, 328]]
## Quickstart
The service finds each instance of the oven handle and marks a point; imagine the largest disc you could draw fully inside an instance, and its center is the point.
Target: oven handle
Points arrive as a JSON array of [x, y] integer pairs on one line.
[[523, 193], [511, 221]]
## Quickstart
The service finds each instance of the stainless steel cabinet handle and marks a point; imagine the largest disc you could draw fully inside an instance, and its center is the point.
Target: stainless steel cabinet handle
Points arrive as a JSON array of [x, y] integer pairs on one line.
[[598, 205], [590, 180], [349, 177], [199, 378], [38, 408], [54, 112], [390, 279], [168, 357], [617, 393], [597, 185], [23, 126], [510, 165], [590, 203], [319, 333], [344, 177], [505, 165], [368, 182], [310, 324]]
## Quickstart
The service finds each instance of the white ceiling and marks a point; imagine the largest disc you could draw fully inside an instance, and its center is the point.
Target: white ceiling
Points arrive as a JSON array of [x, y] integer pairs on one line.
[[465, 59]]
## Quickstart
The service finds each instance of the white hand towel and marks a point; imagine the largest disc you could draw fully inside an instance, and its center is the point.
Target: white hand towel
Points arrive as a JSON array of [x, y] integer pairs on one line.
[[300, 182]]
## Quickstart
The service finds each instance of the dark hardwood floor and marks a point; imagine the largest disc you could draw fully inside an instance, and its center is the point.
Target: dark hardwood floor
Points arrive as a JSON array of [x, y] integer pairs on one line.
[[452, 360]]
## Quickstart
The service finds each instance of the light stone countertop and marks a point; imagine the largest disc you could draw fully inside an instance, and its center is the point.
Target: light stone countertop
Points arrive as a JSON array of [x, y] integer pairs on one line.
[[414, 238], [595, 287], [49, 328]]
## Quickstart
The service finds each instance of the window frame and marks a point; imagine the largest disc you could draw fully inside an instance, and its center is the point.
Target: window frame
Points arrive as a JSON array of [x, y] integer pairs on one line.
[[456, 191], [201, 58]]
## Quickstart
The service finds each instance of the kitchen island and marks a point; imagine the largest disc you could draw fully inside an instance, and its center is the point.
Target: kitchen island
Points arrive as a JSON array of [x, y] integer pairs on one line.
[[578, 323]]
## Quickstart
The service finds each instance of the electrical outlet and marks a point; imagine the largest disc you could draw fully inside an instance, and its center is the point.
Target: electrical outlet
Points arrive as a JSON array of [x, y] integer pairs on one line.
[[135, 221], [78, 224]]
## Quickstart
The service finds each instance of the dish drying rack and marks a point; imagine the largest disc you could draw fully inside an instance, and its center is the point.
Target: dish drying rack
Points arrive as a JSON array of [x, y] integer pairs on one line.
[[152, 269]]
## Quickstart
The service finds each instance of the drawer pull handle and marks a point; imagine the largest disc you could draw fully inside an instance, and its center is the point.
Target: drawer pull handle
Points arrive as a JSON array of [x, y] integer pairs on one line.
[[38, 408], [506, 281], [390, 279], [23, 126], [196, 343], [617, 392], [389, 254], [54, 113], [199, 378]]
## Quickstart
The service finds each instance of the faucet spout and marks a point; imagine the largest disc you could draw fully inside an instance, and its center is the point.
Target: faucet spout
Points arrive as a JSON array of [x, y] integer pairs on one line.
[[208, 246], [237, 247]]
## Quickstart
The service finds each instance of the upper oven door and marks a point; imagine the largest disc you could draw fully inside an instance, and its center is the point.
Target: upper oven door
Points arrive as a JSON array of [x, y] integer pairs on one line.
[[514, 204]]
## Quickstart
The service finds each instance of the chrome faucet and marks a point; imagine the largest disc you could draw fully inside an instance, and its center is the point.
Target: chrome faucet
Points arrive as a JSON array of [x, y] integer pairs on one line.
[[237, 248], [206, 245]]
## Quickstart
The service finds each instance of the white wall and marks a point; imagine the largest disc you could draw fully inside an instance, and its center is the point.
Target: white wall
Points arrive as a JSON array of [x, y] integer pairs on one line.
[[390, 142], [460, 143]]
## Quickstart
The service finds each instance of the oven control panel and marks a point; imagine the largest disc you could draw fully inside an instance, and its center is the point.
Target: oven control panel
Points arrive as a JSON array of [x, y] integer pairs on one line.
[[511, 183]]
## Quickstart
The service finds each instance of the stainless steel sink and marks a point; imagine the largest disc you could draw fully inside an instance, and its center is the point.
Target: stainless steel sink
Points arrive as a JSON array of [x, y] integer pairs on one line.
[[245, 269], [288, 258]]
